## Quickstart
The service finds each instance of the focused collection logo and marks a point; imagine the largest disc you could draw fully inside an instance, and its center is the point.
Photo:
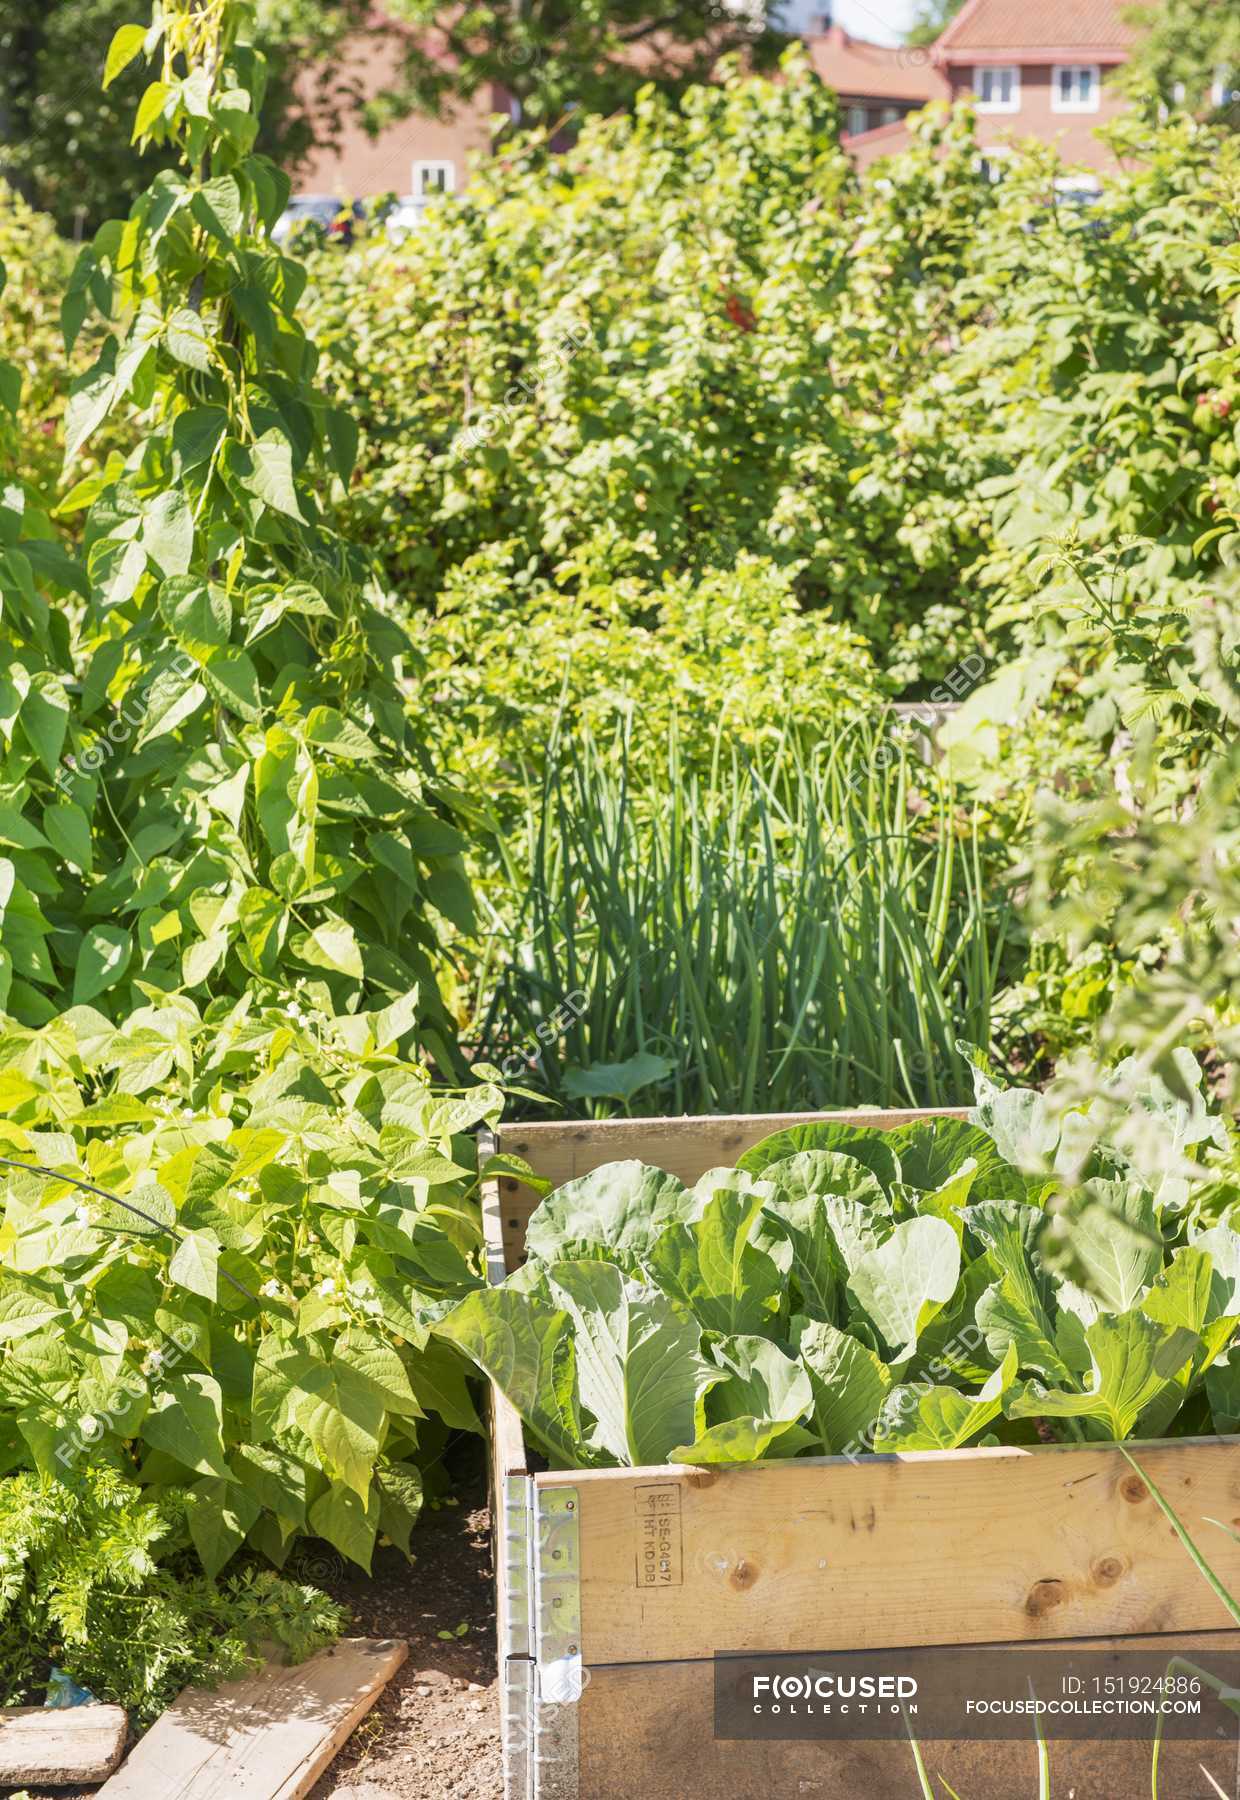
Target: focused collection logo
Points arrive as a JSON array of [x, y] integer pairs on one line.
[[827, 1691]]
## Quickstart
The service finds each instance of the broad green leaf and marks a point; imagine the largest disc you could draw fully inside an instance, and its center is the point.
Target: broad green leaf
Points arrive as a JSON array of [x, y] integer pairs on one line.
[[1022, 1123], [195, 1263], [331, 946], [186, 1420], [1116, 1243], [623, 1205], [1132, 1360], [1185, 1295], [438, 1377], [863, 1143], [378, 1364], [266, 471], [217, 206], [1018, 1310], [712, 1271], [903, 1283], [849, 1384], [527, 1350], [218, 1513], [799, 1215], [44, 719], [347, 1521], [67, 829], [103, 958], [170, 701], [1223, 1391], [233, 680], [639, 1364], [342, 1414], [756, 1406], [276, 1479], [149, 110], [919, 1417], [932, 1151], [399, 1486], [199, 613], [168, 532], [1222, 1245], [127, 42], [617, 1081], [187, 338]]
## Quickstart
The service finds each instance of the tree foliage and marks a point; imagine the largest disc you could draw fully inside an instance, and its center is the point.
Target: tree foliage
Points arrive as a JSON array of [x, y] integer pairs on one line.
[[560, 57], [1185, 51], [67, 143]]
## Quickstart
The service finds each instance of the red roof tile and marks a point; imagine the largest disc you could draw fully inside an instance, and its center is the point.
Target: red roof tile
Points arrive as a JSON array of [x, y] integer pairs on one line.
[[861, 70], [1021, 25]]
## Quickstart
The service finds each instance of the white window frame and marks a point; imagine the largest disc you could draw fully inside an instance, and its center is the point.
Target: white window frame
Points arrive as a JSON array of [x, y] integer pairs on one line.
[[1075, 105], [420, 192], [990, 161], [1010, 105], [852, 115]]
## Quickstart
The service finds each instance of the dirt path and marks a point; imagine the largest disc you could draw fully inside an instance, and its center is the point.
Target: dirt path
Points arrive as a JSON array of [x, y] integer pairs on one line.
[[434, 1735]]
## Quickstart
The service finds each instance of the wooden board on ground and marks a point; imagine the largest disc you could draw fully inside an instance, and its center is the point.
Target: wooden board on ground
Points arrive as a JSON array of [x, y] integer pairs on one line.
[[268, 1737], [50, 1746]]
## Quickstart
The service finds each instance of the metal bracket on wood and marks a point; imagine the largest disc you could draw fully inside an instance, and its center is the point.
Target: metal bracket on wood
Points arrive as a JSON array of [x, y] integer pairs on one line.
[[517, 1502], [558, 1674], [517, 1719]]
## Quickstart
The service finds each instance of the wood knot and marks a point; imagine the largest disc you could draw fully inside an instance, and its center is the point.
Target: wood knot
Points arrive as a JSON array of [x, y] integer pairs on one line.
[[1107, 1570], [1044, 1596], [701, 1478], [1133, 1489], [744, 1575]]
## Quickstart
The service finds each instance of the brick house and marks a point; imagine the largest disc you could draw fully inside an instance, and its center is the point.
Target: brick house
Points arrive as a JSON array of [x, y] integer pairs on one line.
[[1039, 70], [877, 85], [1034, 68], [416, 156]]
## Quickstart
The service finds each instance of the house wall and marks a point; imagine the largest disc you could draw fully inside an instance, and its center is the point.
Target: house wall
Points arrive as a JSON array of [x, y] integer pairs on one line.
[[362, 167], [1073, 132]]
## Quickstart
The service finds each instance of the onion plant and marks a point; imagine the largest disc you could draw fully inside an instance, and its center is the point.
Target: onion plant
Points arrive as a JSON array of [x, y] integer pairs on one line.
[[811, 926]]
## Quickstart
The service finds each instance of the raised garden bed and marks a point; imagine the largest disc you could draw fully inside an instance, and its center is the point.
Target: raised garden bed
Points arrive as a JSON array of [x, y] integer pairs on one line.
[[618, 1587]]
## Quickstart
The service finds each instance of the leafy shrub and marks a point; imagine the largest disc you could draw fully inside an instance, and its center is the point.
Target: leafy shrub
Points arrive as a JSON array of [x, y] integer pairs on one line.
[[845, 1288], [98, 1578], [239, 778], [242, 1312], [693, 337], [725, 653]]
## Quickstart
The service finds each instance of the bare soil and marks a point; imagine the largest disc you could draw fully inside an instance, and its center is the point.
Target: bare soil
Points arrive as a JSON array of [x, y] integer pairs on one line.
[[434, 1733]]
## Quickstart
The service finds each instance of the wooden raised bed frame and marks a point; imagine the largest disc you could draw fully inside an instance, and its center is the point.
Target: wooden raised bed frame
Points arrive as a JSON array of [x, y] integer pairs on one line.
[[616, 1587]]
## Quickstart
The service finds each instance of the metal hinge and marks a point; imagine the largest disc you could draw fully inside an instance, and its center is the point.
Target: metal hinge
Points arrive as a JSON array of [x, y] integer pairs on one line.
[[558, 1674], [517, 1502]]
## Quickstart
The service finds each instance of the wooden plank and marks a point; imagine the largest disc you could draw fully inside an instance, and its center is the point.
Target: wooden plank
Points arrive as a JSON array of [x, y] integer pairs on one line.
[[60, 1746], [931, 1547], [507, 1441], [268, 1737], [560, 1150], [648, 1730]]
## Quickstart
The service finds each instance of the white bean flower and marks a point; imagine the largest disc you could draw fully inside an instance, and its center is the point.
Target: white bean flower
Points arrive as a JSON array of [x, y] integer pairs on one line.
[[327, 1287], [271, 1289]]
